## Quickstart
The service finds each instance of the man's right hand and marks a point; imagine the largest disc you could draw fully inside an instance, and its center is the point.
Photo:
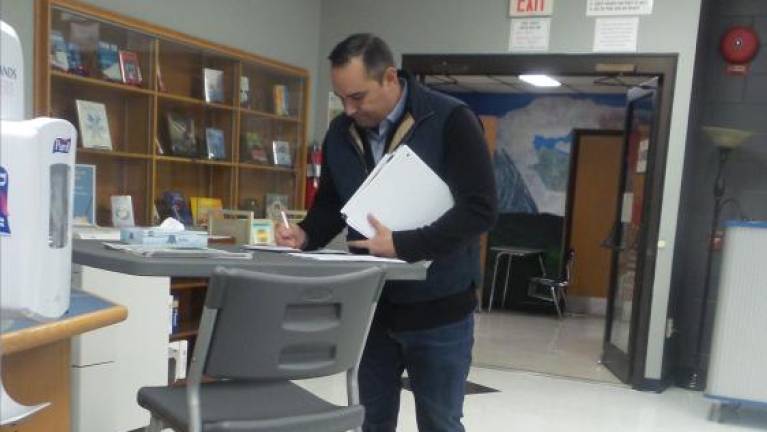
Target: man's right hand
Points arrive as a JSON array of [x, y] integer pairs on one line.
[[292, 236]]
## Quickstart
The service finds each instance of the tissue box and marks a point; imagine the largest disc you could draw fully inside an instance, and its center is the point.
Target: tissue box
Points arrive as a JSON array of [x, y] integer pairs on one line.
[[154, 236]]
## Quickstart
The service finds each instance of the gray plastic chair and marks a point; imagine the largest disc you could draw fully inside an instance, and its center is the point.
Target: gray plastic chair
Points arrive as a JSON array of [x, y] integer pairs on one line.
[[257, 332]]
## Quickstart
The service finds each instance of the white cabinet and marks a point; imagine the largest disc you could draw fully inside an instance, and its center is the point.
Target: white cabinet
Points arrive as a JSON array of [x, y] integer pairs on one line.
[[109, 365]]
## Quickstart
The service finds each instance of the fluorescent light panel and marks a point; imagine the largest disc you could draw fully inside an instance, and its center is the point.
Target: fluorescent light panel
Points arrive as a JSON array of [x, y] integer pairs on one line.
[[540, 80]]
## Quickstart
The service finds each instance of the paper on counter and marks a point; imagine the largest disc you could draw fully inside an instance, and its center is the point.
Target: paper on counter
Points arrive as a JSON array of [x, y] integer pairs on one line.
[[346, 258]]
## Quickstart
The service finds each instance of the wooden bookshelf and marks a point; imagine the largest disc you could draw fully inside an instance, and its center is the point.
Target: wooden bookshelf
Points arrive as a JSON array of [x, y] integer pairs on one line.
[[142, 162]]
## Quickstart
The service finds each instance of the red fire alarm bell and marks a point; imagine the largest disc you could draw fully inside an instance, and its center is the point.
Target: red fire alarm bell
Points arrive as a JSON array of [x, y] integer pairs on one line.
[[739, 46]]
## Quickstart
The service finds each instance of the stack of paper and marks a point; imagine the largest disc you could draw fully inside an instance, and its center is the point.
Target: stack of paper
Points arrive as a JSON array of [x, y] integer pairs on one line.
[[346, 258], [402, 192]]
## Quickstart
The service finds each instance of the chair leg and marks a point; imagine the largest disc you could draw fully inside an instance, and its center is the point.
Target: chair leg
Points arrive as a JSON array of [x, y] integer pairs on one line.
[[155, 425], [555, 298], [492, 284], [563, 294]]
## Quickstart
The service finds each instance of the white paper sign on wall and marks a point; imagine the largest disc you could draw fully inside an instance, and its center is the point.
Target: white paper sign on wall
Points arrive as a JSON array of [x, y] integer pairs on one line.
[[616, 34], [522, 8], [529, 34], [618, 7]]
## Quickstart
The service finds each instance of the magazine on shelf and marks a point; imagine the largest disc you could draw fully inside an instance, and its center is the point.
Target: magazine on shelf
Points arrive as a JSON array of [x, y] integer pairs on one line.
[[109, 61], [59, 57], [173, 204], [275, 204], [84, 206], [280, 99], [201, 208], [131, 71], [214, 85], [254, 148], [122, 211], [75, 59], [181, 135], [214, 141], [94, 125], [244, 92], [281, 153]]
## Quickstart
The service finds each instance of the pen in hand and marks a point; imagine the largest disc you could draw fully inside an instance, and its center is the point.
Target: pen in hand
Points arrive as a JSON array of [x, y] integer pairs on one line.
[[285, 219]]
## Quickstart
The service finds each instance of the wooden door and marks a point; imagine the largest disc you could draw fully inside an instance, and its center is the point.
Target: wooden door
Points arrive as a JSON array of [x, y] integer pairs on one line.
[[594, 186]]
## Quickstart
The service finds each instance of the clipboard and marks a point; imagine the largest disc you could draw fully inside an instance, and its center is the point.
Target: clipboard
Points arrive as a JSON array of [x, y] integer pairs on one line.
[[402, 192]]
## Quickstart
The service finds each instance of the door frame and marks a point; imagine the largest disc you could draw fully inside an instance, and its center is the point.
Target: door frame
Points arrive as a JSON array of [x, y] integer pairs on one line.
[[661, 65]]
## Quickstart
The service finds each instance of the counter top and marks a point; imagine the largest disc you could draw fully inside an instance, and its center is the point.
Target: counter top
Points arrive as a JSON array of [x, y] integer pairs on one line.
[[94, 254], [86, 312]]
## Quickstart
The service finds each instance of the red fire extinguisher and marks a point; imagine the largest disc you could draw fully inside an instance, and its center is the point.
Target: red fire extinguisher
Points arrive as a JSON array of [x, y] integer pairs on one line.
[[313, 172]]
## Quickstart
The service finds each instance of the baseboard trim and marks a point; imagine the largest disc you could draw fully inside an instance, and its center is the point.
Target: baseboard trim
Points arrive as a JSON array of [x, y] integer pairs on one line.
[[587, 305]]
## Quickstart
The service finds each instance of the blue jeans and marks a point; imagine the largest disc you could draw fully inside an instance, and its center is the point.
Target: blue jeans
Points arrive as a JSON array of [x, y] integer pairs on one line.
[[437, 361]]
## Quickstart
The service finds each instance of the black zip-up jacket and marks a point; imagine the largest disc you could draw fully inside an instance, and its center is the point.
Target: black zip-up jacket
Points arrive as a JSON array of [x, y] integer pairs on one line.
[[449, 138]]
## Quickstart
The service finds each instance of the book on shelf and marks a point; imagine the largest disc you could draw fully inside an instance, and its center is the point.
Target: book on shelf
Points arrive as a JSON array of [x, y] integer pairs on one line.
[[109, 62], [181, 135], [201, 208], [281, 153], [275, 204], [84, 205], [122, 211], [254, 148], [214, 85], [75, 59], [173, 204], [244, 92], [59, 57], [131, 71], [214, 141], [94, 125], [280, 99]]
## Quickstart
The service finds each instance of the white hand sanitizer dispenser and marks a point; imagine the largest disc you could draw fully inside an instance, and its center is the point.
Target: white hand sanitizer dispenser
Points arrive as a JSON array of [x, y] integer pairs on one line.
[[36, 186], [36, 191]]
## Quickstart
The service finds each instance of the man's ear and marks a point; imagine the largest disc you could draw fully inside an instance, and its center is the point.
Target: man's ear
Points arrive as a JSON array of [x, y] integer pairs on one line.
[[390, 75]]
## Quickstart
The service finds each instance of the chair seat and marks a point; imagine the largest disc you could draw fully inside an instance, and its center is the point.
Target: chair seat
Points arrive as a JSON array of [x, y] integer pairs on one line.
[[250, 407]]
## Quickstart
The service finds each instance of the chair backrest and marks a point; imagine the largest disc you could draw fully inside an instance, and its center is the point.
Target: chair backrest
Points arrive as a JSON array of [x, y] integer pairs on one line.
[[270, 326]]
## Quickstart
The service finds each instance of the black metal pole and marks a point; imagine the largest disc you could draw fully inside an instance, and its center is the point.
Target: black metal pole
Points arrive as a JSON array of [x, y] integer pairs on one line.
[[697, 379]]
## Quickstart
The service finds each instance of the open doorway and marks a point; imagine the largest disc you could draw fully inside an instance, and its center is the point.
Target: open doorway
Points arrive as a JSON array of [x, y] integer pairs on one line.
[[563, 160]]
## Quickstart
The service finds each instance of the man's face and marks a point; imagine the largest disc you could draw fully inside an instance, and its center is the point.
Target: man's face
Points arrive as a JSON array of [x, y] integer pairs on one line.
[[365, 100]]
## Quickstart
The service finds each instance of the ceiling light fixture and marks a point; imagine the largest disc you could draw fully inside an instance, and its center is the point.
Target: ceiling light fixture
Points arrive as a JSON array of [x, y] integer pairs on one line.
[[540, 80]]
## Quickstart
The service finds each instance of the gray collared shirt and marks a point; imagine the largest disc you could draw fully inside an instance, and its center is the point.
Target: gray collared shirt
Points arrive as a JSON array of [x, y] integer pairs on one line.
[[377, 138]]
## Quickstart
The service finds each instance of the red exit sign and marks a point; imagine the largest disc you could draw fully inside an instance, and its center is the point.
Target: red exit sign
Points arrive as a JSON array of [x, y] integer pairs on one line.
[[518, 8]]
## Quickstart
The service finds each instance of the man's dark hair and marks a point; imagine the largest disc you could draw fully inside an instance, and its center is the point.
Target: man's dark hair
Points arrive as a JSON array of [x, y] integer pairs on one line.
[[376, 55]]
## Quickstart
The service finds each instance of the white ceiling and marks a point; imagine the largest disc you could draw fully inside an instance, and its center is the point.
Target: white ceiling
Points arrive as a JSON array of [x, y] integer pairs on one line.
[[512, 84]]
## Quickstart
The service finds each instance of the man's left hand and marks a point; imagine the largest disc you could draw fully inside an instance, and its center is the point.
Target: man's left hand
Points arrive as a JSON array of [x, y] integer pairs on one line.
[[381, 244]]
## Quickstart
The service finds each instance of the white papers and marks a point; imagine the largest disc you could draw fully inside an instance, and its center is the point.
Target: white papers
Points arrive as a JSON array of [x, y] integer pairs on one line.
[[402, 192], [529, 34], [163, 251], [93, 232], [618, 7], [616, 34], [346, 257], [270, 248]]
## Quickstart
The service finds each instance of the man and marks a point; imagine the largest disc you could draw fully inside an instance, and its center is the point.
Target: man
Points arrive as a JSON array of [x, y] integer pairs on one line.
[[424, 327]]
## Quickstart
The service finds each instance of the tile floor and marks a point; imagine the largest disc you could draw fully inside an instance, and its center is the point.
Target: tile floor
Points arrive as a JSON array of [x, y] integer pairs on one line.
[[541, 343], [569, 392], [534, 402]]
